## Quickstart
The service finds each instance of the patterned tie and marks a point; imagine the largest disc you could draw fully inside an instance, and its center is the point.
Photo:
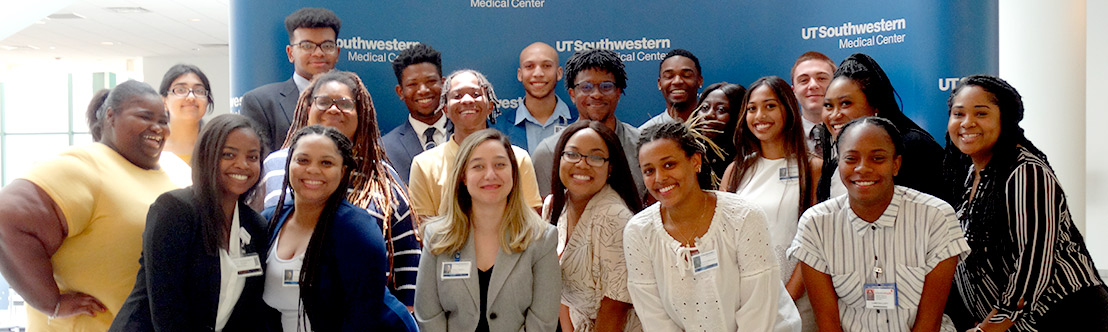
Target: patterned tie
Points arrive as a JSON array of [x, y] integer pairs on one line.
[[429, 137]]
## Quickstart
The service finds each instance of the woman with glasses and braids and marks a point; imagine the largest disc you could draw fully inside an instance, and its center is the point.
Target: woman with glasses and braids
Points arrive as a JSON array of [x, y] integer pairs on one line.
[[593, 196], [1029, 269], [338, 99]]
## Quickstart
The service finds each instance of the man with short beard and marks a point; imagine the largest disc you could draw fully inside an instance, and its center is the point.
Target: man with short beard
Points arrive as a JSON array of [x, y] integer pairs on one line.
[[679, 79]]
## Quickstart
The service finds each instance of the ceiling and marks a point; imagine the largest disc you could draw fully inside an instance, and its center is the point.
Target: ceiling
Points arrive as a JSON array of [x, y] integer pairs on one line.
[[167, 28]]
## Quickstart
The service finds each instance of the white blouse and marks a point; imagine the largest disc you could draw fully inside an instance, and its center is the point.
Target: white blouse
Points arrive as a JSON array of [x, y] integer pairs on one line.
[[593, 265], [744, 290], [774, 186]]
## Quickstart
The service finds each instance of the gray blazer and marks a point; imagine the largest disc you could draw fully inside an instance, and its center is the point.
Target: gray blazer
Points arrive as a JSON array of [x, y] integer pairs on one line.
[[524, 292]]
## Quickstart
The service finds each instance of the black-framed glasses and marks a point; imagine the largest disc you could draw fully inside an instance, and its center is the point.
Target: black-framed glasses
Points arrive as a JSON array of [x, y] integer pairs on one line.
[[322, 103], [592, 159], [328, 47], [606, 87], [181, 91]]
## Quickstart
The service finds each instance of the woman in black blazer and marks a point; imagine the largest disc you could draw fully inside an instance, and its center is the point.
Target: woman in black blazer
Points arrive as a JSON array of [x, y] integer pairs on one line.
[[203, 248]]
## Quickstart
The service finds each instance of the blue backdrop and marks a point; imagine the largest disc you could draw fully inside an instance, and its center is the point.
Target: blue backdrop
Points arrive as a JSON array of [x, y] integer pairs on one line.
[[923, 45]]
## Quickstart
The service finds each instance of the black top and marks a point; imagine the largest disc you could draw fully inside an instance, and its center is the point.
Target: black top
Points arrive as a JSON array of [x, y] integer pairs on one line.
[[484, 276]]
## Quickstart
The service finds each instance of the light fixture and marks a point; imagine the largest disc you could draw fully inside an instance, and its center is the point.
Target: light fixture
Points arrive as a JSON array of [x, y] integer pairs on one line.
[[128, 10], [194, 20], [107, 43]]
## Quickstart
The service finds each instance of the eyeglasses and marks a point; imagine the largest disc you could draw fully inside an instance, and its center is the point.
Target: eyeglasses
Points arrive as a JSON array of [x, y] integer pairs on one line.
[[328, 47], [606, 87], [181, 91], [323, 103], [592, 159]]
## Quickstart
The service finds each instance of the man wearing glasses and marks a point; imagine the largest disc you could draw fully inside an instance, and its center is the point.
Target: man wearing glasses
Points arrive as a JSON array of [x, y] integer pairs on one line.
[[595, 79], [312, 50]]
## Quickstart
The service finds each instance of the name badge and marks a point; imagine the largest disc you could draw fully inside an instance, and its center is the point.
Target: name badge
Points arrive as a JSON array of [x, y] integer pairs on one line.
[[881, 296], [291, 278], [788, 173], [705, 261], [455, 270], [248, 266]]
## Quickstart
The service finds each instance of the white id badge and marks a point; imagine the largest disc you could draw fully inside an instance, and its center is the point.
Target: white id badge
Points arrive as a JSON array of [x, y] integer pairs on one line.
[[455, 270], [248, 266], [705, 261], [786, 174], [880, 296], [291, 278]]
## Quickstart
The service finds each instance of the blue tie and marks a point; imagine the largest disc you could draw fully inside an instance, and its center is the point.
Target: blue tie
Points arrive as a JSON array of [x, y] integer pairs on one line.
[[429, 137]]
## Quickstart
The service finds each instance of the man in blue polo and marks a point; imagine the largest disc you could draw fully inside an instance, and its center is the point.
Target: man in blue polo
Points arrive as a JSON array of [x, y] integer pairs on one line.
[[542, 114]]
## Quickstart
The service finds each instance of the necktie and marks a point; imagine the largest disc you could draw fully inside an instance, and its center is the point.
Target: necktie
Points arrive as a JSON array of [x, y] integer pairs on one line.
[[429, 138]]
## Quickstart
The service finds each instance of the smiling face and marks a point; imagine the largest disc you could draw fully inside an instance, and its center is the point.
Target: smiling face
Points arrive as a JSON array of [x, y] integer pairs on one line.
[[138, 129], [867, 164], [466, 103], [333, 116], [239, 162], [190, 108], [316, 169], [845, 101], [678, 80], [765, 117], [488, 174], [810, 81], [308, 64], [716, 111], [596, 106], [539, 70], [420, 88], [668, 173], [581, 179], [974, 125]]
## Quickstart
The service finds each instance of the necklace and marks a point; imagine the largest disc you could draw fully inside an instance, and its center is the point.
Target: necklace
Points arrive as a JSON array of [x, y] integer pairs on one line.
[[688, 240]]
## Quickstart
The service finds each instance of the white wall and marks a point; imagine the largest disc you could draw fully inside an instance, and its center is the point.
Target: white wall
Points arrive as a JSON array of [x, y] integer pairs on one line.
[[1043, 54], [1096, 154], [217, 68]]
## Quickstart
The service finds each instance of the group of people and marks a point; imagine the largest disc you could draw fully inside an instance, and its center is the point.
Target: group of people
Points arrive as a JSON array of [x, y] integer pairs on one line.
[[738, 208]]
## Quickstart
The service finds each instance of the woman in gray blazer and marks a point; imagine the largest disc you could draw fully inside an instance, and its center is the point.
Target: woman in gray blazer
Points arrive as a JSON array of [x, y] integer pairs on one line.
[[489, 263]]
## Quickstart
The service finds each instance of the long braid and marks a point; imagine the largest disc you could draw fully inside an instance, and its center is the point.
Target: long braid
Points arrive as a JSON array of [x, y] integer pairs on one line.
[[370, 182]]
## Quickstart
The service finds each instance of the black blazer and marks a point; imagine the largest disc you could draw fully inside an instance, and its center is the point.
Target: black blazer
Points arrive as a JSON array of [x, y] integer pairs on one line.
[[273, 106], [177, 287], [402, 144]]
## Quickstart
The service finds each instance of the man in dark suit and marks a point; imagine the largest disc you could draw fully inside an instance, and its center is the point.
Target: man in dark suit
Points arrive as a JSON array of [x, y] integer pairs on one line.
[[312, 50], [419, 85]]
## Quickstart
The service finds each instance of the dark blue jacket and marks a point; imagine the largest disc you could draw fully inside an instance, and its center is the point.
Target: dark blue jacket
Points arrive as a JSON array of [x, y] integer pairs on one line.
[[354, 296]]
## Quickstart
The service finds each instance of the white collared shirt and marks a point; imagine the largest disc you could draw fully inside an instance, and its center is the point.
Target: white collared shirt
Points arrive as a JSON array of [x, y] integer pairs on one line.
[[420, 127], [301, 82]]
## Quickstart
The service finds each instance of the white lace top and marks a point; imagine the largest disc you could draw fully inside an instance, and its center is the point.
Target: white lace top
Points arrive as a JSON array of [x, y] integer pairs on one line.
[[593, 263], [744, 290]]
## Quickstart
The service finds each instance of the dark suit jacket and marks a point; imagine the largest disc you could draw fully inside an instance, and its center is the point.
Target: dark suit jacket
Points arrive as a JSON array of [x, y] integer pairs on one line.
[[353, 295], [272, 106], [177, 287], [402, 144]]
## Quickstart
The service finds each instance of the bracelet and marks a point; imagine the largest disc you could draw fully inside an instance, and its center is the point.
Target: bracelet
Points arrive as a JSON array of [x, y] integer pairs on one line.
[[57, 306]]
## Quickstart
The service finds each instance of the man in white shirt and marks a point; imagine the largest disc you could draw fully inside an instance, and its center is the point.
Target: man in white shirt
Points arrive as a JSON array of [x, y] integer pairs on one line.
[[679, 79], [811, 74], [419, 85]]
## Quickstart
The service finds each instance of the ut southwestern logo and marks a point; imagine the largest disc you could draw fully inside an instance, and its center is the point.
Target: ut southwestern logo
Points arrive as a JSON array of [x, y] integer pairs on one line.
[[506, 3], [948, 83]]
